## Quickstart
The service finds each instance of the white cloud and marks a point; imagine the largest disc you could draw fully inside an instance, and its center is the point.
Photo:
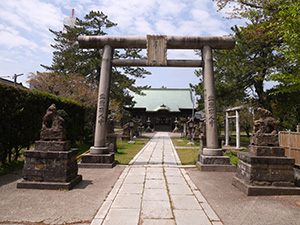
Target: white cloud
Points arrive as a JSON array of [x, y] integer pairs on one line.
[[166, 27], [6, 59], [142, 27], [13, 19], [10, 40], [200, 15], [170, 8], [25, 39], [31, 14]]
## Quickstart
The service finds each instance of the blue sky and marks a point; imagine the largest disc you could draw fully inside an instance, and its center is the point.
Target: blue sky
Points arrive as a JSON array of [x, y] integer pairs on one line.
[[25, 39]]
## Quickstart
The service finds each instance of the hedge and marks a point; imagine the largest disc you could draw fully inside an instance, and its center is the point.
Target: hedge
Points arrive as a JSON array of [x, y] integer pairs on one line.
[[21, 113]]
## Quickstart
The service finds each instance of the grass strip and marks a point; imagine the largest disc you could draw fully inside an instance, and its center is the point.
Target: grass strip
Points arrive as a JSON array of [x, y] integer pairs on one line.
[[188, 156], [126, 152]]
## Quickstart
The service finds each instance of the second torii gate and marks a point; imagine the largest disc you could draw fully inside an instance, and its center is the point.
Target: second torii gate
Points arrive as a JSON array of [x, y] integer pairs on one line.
[[156, 46]]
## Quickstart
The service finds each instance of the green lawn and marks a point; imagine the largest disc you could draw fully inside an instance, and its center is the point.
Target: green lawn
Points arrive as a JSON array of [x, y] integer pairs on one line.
[[183, 142], [126, 151], [233, 156], [188, 156]]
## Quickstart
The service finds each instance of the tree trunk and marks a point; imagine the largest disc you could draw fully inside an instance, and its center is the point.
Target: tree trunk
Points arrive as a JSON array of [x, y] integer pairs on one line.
[[259, 89]]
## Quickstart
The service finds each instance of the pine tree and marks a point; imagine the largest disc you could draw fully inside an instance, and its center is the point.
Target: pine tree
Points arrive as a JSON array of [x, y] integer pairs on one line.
[[68, 58]]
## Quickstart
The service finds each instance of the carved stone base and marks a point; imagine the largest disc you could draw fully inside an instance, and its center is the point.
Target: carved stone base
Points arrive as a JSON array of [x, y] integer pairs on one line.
[[43, 167], [52, 145], [266, 150], [252, 190], [97, 161], [264, 169], [215, 163], [50, 185]]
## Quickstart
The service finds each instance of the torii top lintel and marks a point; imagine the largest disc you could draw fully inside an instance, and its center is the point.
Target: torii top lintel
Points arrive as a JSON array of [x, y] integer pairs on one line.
[[173, 42]]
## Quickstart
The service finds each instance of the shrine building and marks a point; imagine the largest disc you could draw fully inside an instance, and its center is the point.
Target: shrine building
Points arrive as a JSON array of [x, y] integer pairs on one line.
[[162, 106]]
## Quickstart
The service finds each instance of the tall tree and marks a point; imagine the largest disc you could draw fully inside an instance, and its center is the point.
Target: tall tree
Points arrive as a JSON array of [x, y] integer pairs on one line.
[[273, 20], [240, 73], [68, 58]]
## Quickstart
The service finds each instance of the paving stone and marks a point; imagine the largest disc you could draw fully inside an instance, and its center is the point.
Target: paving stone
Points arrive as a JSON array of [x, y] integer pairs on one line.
[[142, 193], [191, 184], [170, 163], [179, 189], [191, 217], [155, 176], [115, 190], [137, 171], [156, 209], [155, 170], [154, 184], [199, 196], [158, 222], [185, 202], [156, 195], [175, 180], [155, 163], [103, 210], [172, 172], [122, 216], [131, 188], [130, 201], [144, 159], [209, 211], [217, 223], [134, 179], [97, 221]]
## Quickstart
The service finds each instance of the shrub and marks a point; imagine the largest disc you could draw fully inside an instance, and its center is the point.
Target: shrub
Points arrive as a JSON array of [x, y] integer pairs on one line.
[[21, 113]]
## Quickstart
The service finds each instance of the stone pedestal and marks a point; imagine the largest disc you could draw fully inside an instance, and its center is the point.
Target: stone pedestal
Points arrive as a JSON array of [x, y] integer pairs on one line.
[[50, 169], [264, 170], [91, 160], [213, 159], [215, 163]]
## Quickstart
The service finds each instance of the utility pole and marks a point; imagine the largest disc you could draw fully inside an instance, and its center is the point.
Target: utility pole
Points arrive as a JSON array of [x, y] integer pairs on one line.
[[15, 78]]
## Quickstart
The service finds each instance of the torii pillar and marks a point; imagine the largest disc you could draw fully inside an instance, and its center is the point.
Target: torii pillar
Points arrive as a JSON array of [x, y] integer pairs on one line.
[[211, 157], [99, 155]]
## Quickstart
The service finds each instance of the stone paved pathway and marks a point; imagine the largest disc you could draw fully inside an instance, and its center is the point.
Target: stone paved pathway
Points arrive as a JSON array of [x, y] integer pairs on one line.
[[155, 190]]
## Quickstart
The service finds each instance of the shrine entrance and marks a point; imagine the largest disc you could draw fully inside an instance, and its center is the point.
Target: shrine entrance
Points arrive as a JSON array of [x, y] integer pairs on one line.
[[157, 46]]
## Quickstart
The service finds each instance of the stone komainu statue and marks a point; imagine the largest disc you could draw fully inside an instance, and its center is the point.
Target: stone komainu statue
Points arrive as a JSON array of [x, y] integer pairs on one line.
[[265, 131], [53, 126]]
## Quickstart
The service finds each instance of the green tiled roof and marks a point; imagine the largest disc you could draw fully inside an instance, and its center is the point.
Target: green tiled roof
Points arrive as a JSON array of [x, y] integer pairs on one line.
[[164, 99]]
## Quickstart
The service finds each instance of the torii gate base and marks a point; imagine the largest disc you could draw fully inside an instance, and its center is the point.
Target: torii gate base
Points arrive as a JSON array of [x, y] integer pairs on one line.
[[212, 157], [215, 163]]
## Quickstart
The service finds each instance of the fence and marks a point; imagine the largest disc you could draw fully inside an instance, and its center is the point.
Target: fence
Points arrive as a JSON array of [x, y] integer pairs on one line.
[[290, 141]]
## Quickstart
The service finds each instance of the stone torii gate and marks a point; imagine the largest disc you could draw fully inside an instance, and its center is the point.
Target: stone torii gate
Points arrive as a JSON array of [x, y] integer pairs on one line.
[[156, 46]]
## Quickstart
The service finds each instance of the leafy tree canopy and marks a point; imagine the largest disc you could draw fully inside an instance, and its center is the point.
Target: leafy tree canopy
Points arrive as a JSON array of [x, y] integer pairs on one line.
[[70, 86], [273, 20]]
